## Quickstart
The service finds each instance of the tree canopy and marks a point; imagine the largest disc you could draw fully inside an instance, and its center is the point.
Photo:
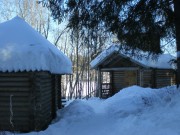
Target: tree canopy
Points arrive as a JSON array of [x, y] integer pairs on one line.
[[137, 24]]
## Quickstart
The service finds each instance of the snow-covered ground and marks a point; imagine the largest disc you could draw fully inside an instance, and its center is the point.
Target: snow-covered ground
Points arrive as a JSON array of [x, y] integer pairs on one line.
[[132, 111]]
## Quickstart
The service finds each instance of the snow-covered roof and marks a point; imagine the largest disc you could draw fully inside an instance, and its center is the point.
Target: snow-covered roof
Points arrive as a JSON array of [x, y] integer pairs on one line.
[[23, 49], [163, 61]]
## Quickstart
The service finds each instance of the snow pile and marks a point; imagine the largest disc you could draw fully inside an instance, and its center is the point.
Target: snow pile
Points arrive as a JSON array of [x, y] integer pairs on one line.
[[76, 110], [24, 49], [132, 111], [163, 61], [134, 100]]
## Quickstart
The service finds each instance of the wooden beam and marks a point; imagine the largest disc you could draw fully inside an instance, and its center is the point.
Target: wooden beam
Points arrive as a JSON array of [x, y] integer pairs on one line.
[[141, 78], [154, 85], [99, 83], [120, 69], [111, 82], [59, 92]]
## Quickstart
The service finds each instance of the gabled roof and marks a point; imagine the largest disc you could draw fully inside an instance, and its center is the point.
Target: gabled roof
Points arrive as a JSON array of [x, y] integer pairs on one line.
[[24, 49], [162, 61]]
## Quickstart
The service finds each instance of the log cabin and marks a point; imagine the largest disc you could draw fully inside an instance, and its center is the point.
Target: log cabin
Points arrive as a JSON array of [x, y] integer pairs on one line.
[[30, 77], [118, 68]]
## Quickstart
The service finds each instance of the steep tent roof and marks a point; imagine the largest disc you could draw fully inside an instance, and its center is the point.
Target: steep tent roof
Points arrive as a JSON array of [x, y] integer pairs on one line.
[[162, 61], [24, 49]]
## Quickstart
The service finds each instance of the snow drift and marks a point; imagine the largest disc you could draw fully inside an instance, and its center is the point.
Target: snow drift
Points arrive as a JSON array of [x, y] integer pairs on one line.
[[132, 111]]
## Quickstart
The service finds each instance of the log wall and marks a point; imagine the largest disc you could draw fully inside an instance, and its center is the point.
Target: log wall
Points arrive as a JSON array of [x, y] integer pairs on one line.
[[117, 80], [165, 78], [157, 78], [122, 79], [28, 100], [17, 87], [146, 78], [154, 78], [43, 103]]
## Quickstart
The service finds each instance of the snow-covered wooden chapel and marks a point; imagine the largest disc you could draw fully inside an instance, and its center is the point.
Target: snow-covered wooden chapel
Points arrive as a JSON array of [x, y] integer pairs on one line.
[[125, 70], [30, 77]]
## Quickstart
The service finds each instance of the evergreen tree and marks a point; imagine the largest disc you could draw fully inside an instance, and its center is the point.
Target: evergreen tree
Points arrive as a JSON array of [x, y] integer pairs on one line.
[[138, 24]]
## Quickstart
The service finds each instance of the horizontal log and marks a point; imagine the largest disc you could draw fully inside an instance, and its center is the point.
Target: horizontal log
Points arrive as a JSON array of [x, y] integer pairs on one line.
[[14, 79], [41, 73], [16, 115], [48, 102], [118, 69], [18, 74], [16, 109], [14, 84], [17, 100], [164, 79], [39, 78], [46, 113], [118, 73], [15, 104], [24, 94], [15, 119], [46, 95], [164, 70], [46, 86], [146, 75], [5, 125], [20, 89], [118, 76], [46, 82]]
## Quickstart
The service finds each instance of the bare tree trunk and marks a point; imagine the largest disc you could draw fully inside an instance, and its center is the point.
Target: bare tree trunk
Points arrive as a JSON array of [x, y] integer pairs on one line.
[[88, 66], [77, 61]]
